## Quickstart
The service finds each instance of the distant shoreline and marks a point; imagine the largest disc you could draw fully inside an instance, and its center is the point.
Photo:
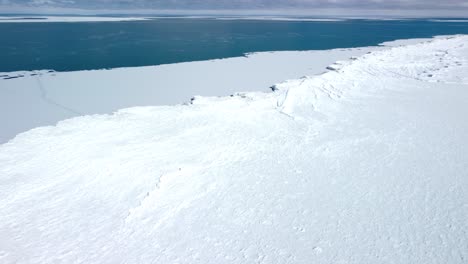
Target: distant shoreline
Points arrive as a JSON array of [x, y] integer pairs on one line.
[[71, 19]]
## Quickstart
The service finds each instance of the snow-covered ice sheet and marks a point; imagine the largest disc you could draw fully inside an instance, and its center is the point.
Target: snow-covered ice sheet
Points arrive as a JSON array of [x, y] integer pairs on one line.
[[365, 163]]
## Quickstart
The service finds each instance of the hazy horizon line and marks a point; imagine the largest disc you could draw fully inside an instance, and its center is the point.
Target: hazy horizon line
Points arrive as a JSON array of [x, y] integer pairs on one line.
[[316, 12]]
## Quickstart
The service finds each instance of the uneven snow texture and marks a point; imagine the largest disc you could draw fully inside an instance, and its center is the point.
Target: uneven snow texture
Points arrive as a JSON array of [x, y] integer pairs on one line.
[[366, 163]]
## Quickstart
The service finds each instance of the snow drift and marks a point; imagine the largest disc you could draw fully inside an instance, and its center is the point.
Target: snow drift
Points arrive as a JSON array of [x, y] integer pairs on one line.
[[365, 163]]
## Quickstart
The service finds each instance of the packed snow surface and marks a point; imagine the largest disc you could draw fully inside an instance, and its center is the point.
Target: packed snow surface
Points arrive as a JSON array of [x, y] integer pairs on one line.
[[366, 163]]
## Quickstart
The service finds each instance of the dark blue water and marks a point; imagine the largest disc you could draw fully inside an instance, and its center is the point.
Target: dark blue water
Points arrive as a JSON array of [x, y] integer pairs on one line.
[[81, 46]]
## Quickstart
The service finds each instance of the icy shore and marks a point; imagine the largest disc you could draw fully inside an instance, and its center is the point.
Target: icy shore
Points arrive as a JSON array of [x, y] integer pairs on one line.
[[365, 163], [30, 99]]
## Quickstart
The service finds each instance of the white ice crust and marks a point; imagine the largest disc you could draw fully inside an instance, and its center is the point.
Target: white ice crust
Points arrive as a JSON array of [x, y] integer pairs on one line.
[[365, 163]]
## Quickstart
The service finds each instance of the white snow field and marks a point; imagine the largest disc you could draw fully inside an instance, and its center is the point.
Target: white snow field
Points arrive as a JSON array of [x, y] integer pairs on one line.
[[42, 98], [366, 163]]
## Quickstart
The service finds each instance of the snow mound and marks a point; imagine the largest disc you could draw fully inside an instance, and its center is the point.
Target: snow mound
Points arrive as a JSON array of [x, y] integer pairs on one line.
[[445, 63], [365, 163]]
